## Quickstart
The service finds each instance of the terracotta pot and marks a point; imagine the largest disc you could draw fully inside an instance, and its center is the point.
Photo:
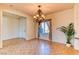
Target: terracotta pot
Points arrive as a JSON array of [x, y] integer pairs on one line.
[[68, 45]]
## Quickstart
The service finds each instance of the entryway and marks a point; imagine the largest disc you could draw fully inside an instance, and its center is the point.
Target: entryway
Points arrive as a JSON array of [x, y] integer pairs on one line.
[[45, 30], [14, 27]]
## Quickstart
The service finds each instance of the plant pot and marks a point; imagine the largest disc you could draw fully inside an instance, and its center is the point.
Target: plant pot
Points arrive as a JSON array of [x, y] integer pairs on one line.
[[68, 44]]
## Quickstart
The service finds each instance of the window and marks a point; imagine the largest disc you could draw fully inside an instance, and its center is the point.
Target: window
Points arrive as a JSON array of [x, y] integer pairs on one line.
[[44, 28]]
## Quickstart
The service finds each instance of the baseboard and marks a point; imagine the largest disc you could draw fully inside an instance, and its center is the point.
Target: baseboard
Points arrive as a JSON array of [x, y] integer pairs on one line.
[[14, 38], [33, 39], [61, 43]]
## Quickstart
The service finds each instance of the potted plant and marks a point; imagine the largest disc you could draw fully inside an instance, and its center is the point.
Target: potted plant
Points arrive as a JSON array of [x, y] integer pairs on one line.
[[69, 32]]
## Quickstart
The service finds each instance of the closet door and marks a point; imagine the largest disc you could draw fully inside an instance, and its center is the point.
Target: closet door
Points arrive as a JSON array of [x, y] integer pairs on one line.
[[22, 28]]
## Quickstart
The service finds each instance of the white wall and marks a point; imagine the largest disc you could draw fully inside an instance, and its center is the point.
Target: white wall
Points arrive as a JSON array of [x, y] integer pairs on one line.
[[0, 29], [31, 29], [76, 20], [62, 18]]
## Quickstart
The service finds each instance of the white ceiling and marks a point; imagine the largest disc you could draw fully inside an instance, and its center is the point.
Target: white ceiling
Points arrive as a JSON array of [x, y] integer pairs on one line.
[[47, 8]]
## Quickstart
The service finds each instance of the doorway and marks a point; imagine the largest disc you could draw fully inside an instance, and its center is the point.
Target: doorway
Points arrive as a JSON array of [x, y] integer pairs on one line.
[[14, 26], [45, 30], [22, 27]]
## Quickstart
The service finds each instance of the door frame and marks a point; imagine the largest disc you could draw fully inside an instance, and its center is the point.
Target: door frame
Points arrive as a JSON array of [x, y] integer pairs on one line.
[[50, 28]]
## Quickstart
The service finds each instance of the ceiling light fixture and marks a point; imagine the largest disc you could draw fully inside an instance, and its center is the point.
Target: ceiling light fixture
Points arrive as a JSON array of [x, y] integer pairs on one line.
[[40, 16]]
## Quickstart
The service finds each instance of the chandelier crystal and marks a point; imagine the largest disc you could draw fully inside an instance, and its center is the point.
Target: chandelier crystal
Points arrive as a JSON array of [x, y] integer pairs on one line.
[[40, 16]]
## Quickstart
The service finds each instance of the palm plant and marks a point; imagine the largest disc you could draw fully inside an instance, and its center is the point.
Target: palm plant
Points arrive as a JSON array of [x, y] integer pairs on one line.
[[69, 32]]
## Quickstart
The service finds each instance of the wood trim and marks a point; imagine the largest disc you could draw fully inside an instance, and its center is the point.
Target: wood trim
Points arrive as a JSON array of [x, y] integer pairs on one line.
[[50, 34]]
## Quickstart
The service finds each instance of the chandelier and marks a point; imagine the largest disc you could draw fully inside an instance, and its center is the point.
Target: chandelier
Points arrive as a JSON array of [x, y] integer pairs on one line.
[[39, 16]]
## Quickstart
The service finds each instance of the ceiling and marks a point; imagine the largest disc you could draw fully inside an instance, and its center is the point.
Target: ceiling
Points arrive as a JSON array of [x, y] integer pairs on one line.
[[47, 8]]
